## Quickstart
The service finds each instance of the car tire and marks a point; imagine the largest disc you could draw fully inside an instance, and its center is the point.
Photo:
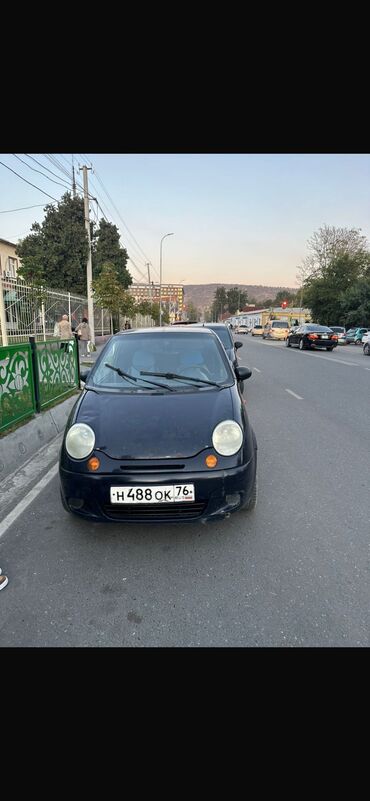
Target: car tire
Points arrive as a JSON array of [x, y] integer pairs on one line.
[[358, 342], [252, 503], [287, 343], [301, 345], [366, 349]]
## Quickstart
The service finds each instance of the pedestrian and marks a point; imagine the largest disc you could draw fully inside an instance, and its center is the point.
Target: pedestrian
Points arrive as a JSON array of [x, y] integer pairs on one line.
[[65, 331], [83, 332], [3, 580], [127, 325]]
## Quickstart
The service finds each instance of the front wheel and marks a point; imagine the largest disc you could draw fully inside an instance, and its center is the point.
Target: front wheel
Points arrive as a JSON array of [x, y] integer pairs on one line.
[[301, 344], [287, 342], [366, 349]]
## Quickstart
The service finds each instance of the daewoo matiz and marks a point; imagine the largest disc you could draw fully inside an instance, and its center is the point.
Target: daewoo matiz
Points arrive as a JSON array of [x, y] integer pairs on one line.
[[160, 432]]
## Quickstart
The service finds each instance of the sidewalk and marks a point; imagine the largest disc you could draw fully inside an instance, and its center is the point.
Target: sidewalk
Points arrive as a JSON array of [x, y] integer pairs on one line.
[[89, 360]]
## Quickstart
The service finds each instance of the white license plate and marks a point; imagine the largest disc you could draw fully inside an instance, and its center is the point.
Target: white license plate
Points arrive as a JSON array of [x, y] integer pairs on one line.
[[324, 336], [162, 494]]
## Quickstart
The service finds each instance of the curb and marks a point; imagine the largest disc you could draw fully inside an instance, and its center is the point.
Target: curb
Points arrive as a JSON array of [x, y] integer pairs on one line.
[[19, 446]]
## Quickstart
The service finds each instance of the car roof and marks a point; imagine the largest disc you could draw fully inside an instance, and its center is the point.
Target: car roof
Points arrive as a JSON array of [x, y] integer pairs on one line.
[[158, 331], [209, 325]]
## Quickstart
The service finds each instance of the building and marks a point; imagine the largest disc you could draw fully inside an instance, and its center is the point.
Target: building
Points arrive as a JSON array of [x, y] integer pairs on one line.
[[262, 316], [172, 297], [9, 261]]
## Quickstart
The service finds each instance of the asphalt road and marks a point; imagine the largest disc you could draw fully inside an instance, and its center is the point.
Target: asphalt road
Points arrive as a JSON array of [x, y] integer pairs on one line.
[[294, 573]]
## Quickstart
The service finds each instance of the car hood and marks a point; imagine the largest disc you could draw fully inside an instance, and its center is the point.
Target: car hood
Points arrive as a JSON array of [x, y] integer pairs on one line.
[[143, 426]]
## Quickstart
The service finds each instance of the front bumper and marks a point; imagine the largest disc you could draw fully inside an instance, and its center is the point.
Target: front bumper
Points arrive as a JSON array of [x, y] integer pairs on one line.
[[217, 495]]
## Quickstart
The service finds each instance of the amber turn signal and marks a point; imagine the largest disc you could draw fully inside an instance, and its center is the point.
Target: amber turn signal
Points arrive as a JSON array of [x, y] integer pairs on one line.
[[93, 463], [211, 460]]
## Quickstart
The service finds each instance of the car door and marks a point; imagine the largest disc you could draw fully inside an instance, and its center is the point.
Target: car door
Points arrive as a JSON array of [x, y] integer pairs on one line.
[[294, 337]]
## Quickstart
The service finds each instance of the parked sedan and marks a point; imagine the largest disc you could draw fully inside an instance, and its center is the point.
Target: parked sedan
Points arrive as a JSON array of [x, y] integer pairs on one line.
[[242, 329], [160, 432], [312, 336], [257, 331]]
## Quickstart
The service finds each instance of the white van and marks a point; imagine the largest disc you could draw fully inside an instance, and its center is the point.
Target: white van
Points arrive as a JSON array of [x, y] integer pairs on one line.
[[276, 329]]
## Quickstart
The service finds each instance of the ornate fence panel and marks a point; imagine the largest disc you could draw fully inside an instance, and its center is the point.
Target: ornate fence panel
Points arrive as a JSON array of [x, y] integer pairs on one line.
[[57, 370], [17, 391]]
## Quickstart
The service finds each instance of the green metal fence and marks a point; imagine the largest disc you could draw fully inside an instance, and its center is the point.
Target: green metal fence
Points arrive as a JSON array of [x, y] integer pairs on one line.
[[56, 367], [17, 389], [33, 375]]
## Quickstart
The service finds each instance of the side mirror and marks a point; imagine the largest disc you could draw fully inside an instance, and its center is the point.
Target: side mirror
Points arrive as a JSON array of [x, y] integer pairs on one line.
[[84, 374], [242, 373], [238, 345]]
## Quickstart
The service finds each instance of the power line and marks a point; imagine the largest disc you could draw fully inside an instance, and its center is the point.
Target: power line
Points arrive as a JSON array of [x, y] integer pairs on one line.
[[40, 173], [42, 165], [29, 182], [120, 216], [129, 247], [59, 166], [23, 208]]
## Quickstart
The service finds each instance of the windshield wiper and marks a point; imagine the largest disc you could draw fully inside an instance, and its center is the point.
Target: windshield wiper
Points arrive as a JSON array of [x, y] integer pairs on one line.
[[133, 378], [177, 377]]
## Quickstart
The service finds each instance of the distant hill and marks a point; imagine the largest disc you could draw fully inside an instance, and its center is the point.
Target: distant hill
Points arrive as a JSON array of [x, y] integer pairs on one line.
[[202, 295]]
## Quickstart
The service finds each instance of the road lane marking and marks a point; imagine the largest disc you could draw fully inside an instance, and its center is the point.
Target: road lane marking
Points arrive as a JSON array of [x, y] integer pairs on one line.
[[259, 371], [294, 395], [22, 505]]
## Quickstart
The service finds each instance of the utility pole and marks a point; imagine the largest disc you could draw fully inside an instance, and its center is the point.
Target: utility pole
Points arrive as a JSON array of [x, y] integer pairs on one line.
[[73, 179], [150, 286], [90, 302]]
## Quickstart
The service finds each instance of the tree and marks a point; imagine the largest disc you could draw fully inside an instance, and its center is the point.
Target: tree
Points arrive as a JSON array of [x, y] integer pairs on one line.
[[110, 294], [327, 244], [355, 304], [219, 304], [282, 295], [332, 295], [106, 248], [55, 252], [193, 313], [236, 299]]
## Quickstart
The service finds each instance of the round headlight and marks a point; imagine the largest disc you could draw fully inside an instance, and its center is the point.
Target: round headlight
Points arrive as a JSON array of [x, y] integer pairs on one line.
[[227, 438], [80, 441]]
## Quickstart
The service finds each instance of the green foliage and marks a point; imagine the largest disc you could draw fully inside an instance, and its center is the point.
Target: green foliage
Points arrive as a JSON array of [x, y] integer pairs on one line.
[[106, 248], [219, 305], [339, 294], [109, 292], [236, 299], [282, 295], [55, 252], [356, 304], [192, 311]]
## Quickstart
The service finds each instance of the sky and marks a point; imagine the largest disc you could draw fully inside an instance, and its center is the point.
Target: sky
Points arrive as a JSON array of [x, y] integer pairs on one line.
[[236, 218]]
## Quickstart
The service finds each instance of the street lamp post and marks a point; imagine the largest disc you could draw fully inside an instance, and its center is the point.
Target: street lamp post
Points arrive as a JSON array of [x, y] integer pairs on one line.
[[160, 278]]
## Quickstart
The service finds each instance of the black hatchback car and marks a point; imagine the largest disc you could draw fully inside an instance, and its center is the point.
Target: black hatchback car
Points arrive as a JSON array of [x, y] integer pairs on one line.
[[160, 432], [311, 335]]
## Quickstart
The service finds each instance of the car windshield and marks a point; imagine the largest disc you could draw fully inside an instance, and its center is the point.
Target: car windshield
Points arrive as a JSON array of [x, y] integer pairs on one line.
[[223, 334], [318, 328], [129, 361], [258, 326], [337, 329], [279, 324]]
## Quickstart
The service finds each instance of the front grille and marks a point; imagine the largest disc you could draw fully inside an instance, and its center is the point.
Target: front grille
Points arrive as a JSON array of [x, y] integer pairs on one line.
[[158, 468], [154, 511]]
